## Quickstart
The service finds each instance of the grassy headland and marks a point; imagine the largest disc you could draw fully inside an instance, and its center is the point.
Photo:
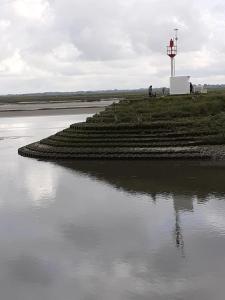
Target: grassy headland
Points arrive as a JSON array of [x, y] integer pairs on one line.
[[143, 128]]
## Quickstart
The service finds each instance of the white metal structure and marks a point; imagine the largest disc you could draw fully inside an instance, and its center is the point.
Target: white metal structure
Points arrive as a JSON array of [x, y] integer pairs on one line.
[[200, 89], [179, 85]]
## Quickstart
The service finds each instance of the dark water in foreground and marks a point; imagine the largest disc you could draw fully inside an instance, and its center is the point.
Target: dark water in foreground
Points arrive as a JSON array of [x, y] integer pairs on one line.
[[107, 230]]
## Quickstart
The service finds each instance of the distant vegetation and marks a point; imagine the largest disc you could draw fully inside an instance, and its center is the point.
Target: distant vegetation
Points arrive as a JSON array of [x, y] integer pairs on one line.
[[68, 97]]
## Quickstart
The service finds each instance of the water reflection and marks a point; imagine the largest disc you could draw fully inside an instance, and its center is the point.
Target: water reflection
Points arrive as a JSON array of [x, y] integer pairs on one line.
[[185, 182], [107, 230], [41, 184], [28, 269]]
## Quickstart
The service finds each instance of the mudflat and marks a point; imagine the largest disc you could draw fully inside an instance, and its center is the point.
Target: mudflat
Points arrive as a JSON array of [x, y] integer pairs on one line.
[[44, 109]]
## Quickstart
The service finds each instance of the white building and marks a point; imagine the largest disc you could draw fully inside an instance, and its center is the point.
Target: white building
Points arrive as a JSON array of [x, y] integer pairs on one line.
[[180, 85]]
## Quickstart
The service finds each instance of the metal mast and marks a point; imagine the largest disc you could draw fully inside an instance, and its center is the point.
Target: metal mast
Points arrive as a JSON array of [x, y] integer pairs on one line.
[[176, 35], [176, 42]]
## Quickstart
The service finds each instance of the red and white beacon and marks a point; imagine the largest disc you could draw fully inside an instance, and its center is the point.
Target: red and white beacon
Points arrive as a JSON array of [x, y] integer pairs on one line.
[[179, 85], [172, 52]]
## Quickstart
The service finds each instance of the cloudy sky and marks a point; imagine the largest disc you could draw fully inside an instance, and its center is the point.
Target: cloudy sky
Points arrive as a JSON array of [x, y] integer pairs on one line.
[[70, 45]]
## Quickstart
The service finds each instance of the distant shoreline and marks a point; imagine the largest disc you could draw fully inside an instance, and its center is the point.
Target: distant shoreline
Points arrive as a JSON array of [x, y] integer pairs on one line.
[[52, 109], [49, 112], [54, 105]]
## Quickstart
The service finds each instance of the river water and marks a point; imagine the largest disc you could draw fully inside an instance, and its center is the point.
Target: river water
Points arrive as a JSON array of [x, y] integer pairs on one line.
[[107, 230]]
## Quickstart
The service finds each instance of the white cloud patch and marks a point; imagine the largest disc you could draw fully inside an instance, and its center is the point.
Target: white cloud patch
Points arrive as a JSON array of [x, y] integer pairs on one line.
[[12, 65], [54, 45], [31, 9], [66, 52]]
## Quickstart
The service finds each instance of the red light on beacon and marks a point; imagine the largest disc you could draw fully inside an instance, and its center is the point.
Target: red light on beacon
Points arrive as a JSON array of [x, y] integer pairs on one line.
[[171, 49], [171, 43]]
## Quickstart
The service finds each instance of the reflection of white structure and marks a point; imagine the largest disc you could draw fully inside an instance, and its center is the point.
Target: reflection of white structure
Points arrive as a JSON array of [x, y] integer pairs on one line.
[[179, 85]]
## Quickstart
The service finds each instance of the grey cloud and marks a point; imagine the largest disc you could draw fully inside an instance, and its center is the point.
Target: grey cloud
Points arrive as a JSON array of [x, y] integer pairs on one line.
[[59, 45]]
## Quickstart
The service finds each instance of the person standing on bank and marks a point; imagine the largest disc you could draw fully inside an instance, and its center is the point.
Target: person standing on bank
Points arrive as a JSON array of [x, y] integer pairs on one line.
[[191, 88], [150, 91]]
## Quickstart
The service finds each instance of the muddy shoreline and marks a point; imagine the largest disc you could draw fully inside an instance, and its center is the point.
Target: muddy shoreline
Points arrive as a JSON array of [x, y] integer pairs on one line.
[[50, 112], [52, 109]]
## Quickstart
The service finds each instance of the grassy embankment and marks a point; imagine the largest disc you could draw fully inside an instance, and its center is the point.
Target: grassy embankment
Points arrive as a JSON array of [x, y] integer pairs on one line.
[[142, 128]]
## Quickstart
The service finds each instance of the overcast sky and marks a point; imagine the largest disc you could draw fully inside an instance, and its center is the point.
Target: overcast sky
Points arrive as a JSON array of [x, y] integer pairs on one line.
[[70, 45]]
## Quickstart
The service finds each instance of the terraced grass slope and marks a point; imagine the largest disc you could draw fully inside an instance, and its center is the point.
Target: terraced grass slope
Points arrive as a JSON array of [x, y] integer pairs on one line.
[[191, 127]]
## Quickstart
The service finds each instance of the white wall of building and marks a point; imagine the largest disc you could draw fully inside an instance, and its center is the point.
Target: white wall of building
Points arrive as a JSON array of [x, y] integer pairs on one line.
[[179, 85]]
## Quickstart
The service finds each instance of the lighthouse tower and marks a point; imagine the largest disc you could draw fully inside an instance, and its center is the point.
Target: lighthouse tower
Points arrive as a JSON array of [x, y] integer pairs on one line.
[[179, 85]]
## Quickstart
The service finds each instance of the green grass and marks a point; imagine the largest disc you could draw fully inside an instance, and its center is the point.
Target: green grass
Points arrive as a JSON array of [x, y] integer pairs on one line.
[[142, 127]]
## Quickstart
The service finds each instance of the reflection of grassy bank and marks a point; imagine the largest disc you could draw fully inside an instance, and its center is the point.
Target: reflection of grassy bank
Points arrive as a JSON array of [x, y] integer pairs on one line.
[[143, 128], [191, 178]]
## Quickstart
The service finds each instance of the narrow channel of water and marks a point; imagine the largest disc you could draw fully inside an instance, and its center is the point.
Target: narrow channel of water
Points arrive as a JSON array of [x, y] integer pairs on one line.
[[107, 230]]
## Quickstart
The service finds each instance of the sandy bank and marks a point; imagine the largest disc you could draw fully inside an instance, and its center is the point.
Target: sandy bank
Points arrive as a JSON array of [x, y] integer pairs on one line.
[[59, 108], [50, 112]]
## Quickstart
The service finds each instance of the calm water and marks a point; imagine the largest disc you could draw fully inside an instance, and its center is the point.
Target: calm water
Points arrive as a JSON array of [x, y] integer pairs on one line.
[[107, 230]]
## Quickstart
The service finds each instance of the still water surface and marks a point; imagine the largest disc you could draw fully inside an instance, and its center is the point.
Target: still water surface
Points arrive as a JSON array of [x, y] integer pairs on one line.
[[107, 230]]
